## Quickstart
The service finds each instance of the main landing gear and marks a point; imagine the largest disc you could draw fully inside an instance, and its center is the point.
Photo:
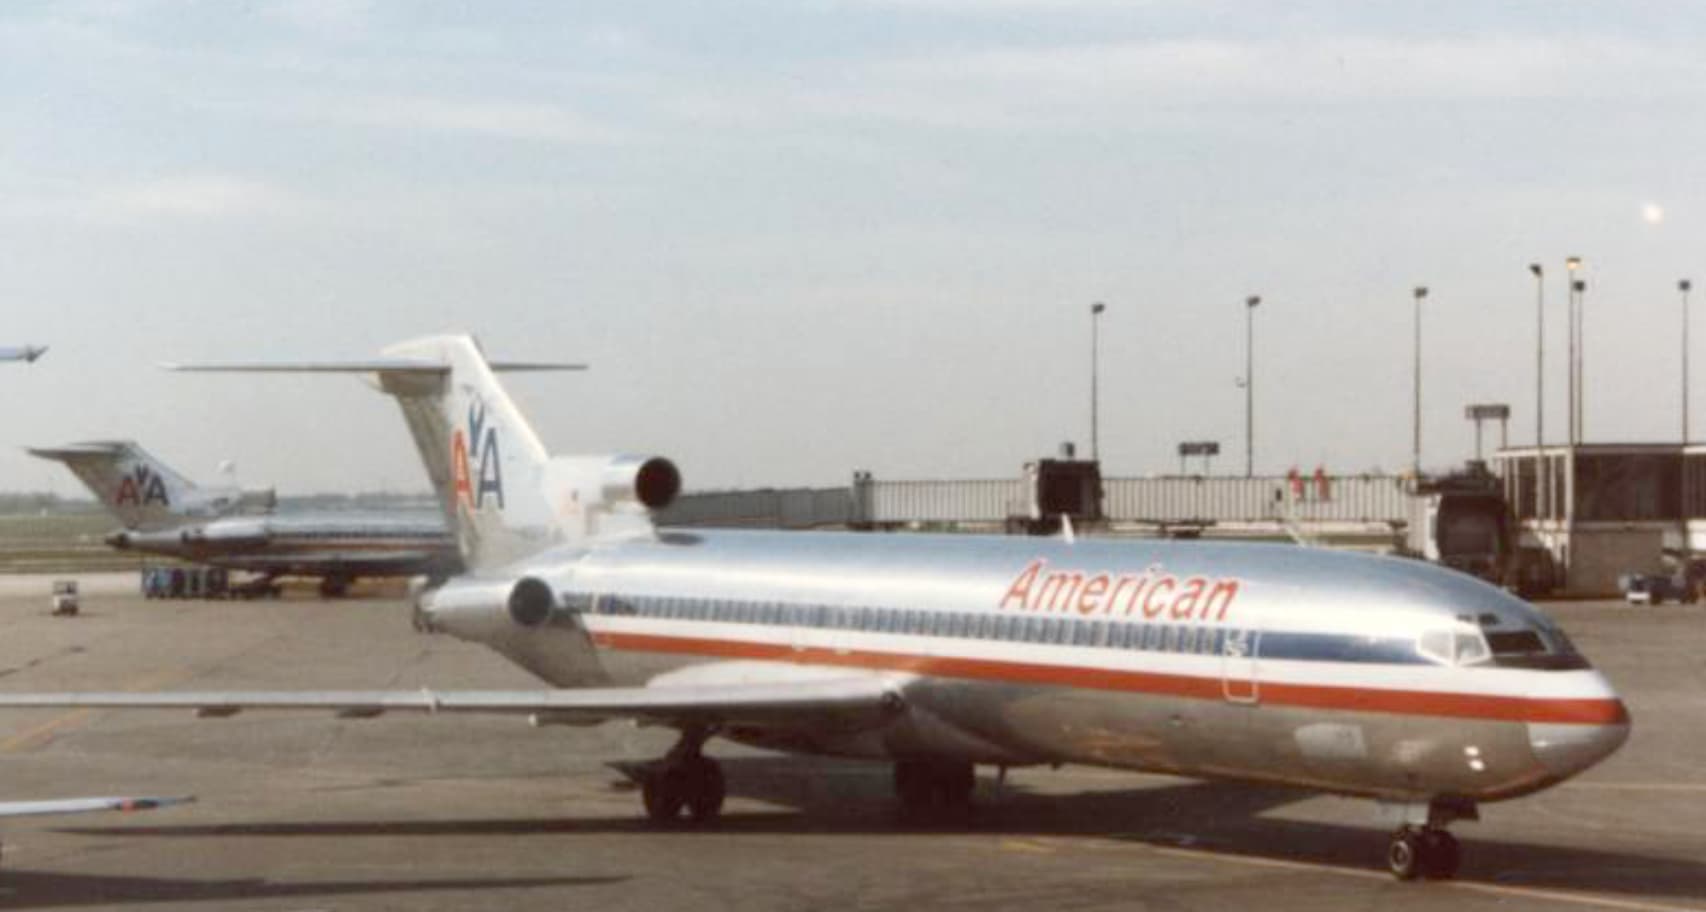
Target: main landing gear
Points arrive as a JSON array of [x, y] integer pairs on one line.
[[1424, 851], [685, 780], [934, 785]]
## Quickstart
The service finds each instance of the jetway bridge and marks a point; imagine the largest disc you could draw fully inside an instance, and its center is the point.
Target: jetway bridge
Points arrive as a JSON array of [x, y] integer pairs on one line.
[[1371, 509]]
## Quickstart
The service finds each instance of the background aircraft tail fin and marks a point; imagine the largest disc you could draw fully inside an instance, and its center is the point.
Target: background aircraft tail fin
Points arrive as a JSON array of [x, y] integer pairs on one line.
[[142, 491]]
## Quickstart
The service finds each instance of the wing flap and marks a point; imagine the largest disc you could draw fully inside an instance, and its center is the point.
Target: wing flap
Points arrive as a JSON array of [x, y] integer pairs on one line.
[[858, 700]]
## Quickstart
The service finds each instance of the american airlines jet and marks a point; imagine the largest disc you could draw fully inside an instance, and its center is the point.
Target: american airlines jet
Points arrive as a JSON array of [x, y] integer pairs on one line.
[[166, 514], [1418, 687]]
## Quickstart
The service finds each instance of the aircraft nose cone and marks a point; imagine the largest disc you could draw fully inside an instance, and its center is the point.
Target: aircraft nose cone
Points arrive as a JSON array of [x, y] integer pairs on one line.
[[1579, 729], [1568, 749]]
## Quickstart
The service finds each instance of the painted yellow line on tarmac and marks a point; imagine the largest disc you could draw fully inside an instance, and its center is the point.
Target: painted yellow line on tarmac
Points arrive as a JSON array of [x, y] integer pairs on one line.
[[1502, 890], [38, 734], [1566, 896], [1026, 845], [31, 737], [1640, 786]]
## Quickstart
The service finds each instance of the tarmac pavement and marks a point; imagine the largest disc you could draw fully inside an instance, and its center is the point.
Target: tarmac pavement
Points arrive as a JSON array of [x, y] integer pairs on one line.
[[302, 811]]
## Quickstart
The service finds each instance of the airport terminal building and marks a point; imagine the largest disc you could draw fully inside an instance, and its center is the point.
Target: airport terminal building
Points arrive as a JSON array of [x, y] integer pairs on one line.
[[1599, 510]]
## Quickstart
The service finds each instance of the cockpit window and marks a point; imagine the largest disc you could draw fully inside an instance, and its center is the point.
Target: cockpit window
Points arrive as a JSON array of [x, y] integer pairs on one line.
[[1453, 647], [1435, 645], [1471, 648], [1536, 644], [1515, 642]]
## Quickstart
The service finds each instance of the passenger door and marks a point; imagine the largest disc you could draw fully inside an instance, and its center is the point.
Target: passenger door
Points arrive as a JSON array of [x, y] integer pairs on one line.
[[1240, 679]]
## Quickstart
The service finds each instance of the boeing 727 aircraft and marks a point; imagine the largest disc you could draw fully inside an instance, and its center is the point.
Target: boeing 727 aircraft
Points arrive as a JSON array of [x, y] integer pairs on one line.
[[166, 514], [1419, 687]]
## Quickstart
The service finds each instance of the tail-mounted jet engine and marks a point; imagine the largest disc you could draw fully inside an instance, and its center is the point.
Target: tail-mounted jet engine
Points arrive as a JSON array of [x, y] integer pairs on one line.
[[482, 609], [594, 496], [651, 481]]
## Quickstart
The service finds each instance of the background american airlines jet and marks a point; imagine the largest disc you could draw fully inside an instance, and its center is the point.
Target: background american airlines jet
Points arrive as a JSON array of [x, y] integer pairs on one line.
[[1399, 681], [166, 514]]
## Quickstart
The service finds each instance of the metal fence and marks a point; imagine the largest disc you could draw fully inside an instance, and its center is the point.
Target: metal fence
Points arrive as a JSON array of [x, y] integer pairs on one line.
[[1352, 498], [968, 501], [1174, 499], [766, 508]]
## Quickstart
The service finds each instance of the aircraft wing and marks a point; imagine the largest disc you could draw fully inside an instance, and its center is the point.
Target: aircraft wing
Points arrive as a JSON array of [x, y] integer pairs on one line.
[[84, 805], [362, 366], [22, 352], [845, 701]]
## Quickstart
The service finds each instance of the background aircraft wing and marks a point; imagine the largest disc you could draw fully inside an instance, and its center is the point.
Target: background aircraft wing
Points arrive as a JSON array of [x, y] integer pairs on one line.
[[21, 352], [84, 805], [838, 701]]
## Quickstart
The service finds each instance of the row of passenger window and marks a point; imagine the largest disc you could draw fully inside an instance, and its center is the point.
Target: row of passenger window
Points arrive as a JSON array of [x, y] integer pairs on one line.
[[1178, 638], [1064, 631]]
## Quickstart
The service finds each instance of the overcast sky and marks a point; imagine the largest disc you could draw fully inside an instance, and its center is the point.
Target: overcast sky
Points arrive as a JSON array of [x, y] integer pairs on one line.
[[799, 238]]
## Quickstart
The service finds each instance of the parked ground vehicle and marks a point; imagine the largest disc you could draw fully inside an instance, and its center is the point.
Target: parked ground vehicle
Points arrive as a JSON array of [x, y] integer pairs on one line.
[[1655, 588], [65, 598]]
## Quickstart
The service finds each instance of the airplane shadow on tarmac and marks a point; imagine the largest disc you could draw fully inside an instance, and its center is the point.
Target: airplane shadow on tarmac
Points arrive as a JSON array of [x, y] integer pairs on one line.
[[829, 797], [27, 890]]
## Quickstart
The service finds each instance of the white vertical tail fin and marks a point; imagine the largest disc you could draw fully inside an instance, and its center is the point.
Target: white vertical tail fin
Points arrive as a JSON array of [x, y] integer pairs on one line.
[[484, 460]]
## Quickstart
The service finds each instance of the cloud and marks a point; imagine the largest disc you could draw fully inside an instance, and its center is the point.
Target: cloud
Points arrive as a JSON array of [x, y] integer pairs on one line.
[[201, 196], [1334, 67], [341, 19], [497, 118], [1098, 83]]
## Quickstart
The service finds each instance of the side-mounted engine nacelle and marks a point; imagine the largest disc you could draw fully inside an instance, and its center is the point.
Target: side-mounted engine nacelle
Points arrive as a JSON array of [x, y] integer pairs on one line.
[[482, 610]]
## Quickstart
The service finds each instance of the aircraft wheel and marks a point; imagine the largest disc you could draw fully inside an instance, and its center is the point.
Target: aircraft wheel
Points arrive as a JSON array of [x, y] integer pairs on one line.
[[1440, 855], [954, 784], [332, 587], [693, 785], [1404, 854], [924, 784], [913, 784], [663, 796], [705, 799]]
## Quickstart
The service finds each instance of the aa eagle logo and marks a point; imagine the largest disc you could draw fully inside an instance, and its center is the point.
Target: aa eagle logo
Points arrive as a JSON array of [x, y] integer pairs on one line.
[[140, 488], [482, 477]]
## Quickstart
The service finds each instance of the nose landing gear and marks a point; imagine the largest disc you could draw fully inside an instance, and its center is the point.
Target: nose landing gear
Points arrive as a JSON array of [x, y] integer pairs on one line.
[[1426, 852]]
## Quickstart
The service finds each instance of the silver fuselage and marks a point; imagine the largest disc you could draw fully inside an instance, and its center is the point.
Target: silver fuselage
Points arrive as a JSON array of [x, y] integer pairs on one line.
[[1272, 663], [308, 544]]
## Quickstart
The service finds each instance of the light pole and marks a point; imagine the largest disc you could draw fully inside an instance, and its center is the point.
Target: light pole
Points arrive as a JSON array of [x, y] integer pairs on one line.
[[1571, 265], [1250, 304], [1539, 357], [1683, 286], [1095, 365], [1416, 416], [1580, 287]]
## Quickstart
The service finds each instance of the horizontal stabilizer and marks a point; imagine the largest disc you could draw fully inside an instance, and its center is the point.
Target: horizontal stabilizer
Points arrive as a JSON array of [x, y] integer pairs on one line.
[[845, 700], [366, 366], [72, 450]]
